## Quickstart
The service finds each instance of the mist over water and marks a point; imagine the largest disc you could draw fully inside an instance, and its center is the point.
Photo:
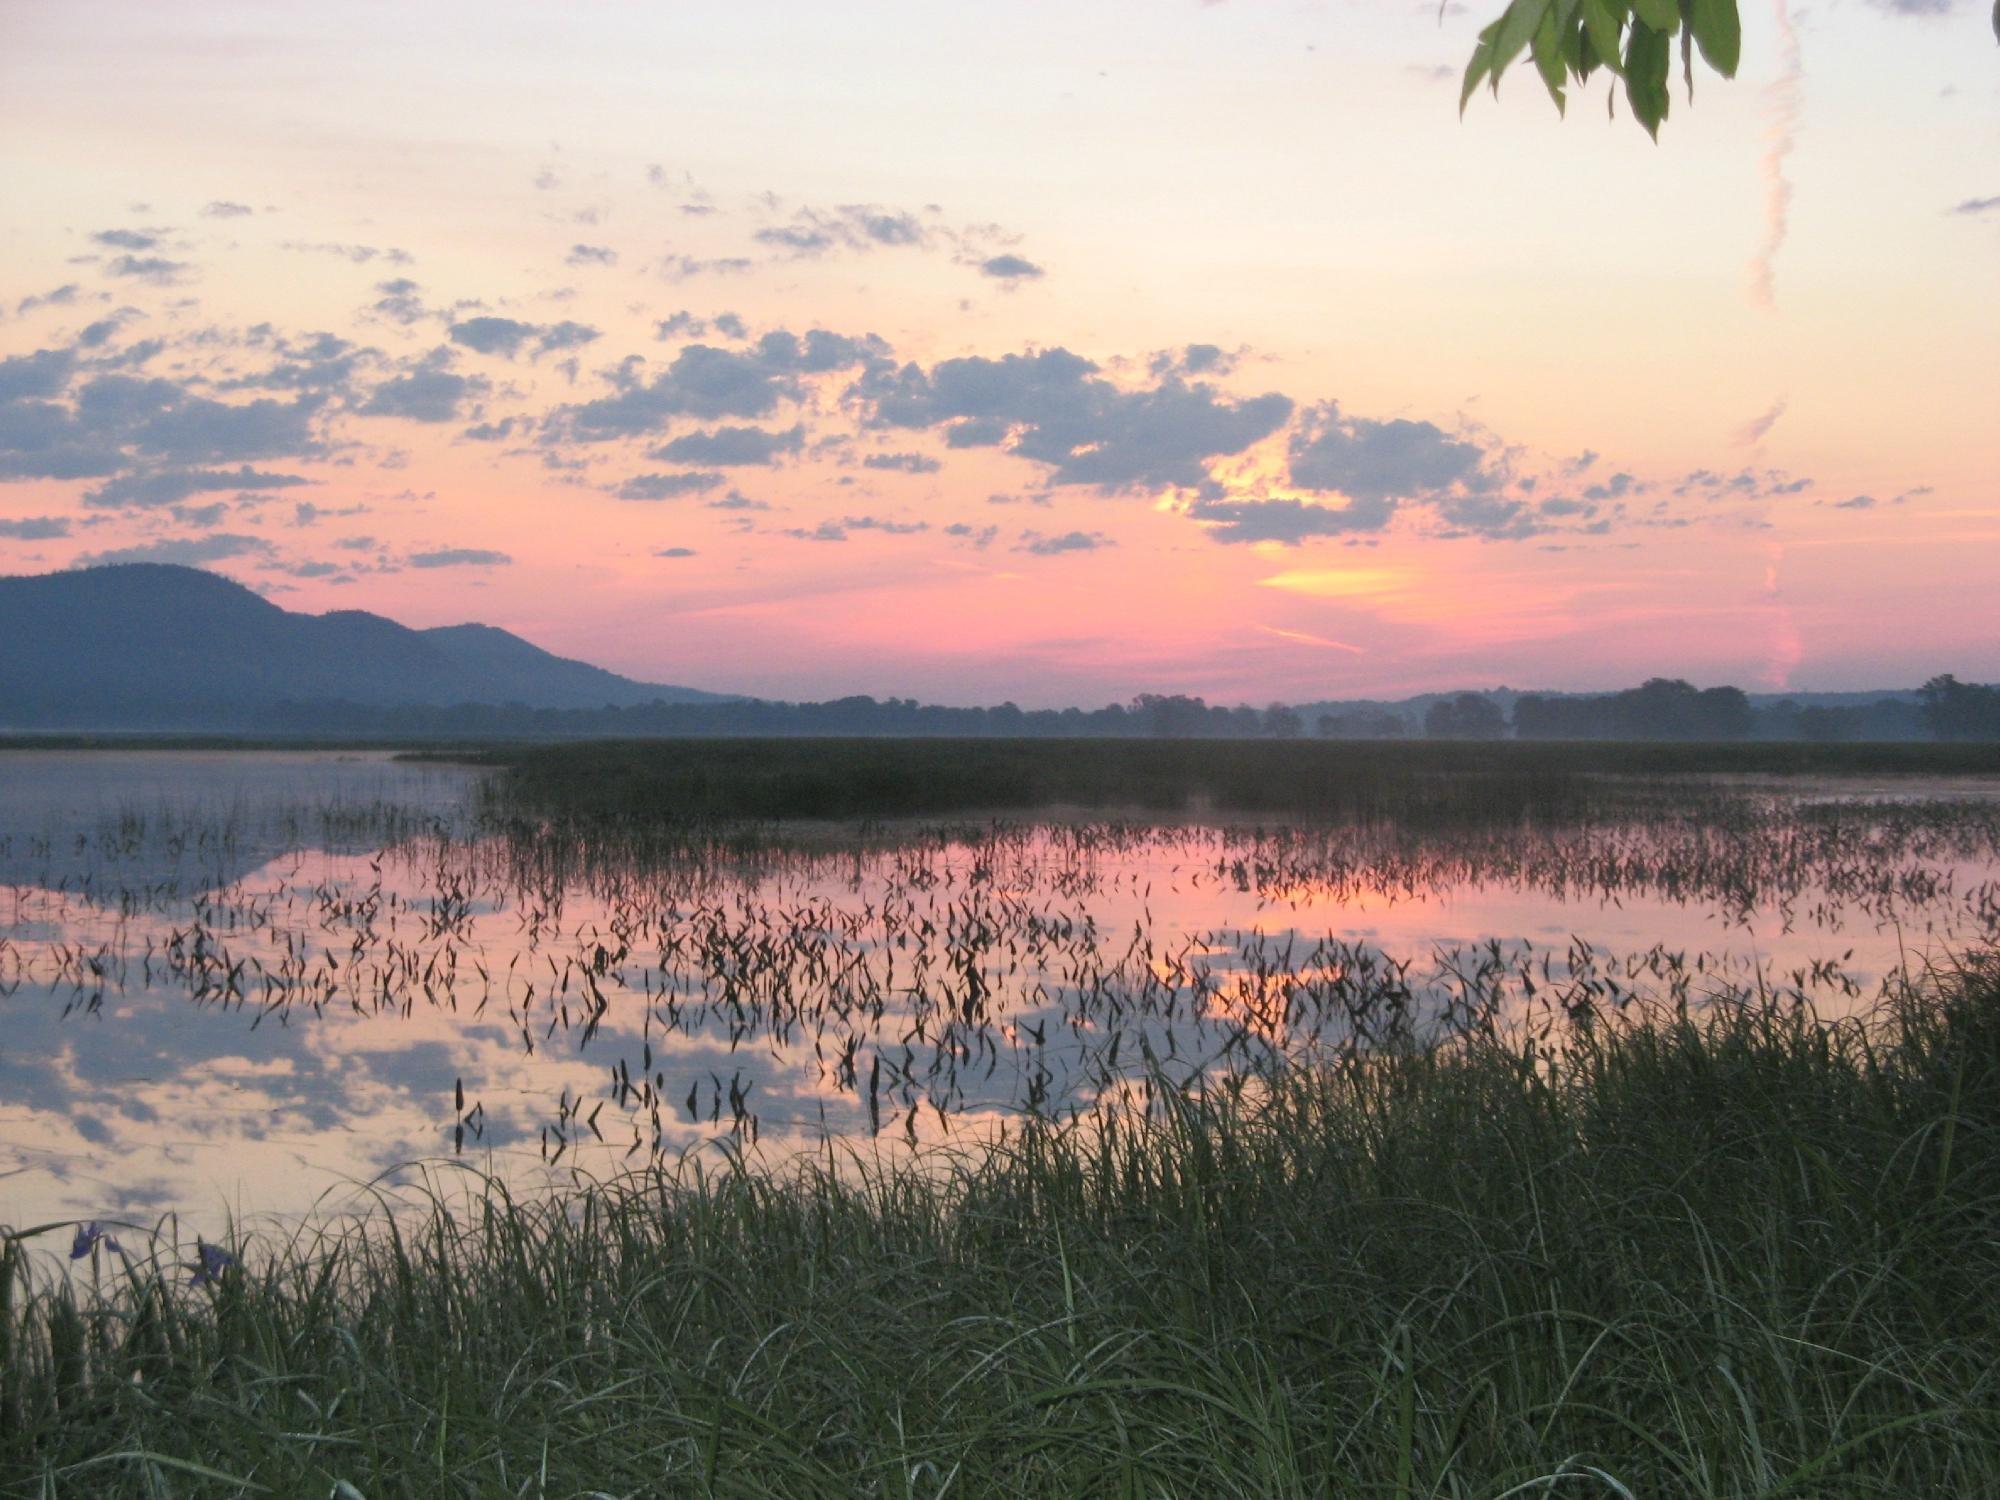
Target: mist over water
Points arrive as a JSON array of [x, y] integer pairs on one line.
[[236, 985]]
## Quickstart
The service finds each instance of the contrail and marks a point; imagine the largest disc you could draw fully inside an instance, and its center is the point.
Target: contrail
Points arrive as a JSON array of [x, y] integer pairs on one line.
[[1785, 96], [1787, 649], [1312, 640], [1752, 432]]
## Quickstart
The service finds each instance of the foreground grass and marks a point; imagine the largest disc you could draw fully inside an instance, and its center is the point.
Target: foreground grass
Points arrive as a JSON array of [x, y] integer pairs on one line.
[[1418, 783], [1739, 1253]]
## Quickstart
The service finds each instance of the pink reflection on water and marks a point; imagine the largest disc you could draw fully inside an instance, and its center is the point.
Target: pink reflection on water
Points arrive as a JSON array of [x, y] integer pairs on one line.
[[262, 1043]]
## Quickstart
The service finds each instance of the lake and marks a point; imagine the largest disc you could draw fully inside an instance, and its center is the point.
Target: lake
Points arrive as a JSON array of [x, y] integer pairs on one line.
[[243, 985]]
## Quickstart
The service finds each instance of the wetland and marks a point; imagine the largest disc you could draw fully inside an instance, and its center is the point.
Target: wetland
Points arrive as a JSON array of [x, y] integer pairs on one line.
[[561, 1008]]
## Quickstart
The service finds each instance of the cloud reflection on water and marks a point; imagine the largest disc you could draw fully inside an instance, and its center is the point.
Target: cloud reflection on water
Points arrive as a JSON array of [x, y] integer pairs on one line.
[[369, 984]]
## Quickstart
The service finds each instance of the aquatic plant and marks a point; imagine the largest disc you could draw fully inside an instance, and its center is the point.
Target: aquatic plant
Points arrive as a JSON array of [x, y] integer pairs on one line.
[[1731, 1250]]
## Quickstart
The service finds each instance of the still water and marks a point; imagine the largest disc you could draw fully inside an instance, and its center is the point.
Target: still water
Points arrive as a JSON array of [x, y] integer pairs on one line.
[[237, 987]]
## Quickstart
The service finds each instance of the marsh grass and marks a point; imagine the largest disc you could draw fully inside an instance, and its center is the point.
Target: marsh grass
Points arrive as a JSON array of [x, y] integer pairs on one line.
[[1725, 1250], [1426, 784]]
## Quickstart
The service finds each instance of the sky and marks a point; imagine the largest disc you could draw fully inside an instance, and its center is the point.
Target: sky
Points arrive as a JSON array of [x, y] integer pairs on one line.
[[1039, 353]]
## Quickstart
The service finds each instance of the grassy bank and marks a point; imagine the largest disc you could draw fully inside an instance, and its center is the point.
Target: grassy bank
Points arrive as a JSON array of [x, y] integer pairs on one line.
[[1419, 782], [1736, 1254]]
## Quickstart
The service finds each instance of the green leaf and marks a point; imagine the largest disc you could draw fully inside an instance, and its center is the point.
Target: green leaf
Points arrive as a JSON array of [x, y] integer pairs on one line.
[[1718, 31], [1517, 29], [1604, 27], [1664, 16], [1480, 66], [1575, 50], [1549, 59], [1648, 54]]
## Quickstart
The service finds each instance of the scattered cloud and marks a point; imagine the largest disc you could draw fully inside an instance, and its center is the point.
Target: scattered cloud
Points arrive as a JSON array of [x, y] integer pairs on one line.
[[61, 296], [508, 336], [1069, 541], [359, 255], [492, 335], [217, 546], [1383, 462], [884, 525], [126, 239], [31, 376], [709, 383], [733, 447], [1744, 484], [1285, 520], [429, 391], [1493, 518], [154, 268], [305, 513], [223, 208], [591, 255], [686, 268], [1010, 268], [115, 421], [565, 335], [838, 530], [813, 232], [34, 528], [400, 302], [682, 324], [902, 463], [1192, 360], [826, 531], [460, 557], [668, 486], [149, 489], [1057, 409]]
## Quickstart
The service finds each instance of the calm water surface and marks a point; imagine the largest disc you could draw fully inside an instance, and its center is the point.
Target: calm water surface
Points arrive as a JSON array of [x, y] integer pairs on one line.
[[234, 986]]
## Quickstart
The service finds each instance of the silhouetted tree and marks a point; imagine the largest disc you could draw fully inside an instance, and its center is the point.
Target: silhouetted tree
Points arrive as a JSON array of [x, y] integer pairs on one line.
[[1663, 708], [1961, 710], [1465, 717], [1282, 722]]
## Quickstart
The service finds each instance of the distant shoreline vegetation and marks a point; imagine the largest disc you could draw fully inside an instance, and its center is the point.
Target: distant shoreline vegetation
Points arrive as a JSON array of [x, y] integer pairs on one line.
[[1662, 709], [621, 788]]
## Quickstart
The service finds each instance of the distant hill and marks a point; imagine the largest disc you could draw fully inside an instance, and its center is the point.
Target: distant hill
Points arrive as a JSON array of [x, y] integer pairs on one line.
[[147, 646]]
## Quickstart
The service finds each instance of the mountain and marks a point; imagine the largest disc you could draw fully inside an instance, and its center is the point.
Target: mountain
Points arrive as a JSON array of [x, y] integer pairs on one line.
[[143, 645]]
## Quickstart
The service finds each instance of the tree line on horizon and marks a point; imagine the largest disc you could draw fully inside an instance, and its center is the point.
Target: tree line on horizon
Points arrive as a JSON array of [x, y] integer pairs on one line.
[[1659, 709], [1664, 708]]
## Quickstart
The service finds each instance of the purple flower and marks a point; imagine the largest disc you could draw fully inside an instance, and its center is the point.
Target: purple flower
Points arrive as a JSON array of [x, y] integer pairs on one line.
[[88, 1236], [212, 1261]]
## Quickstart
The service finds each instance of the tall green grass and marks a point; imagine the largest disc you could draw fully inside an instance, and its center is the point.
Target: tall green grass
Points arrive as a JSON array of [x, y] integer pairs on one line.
[[1732, 1251], [1419, 784]]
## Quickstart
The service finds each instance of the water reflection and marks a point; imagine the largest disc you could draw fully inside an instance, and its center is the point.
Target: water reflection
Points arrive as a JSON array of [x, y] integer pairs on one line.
[[229, 983]]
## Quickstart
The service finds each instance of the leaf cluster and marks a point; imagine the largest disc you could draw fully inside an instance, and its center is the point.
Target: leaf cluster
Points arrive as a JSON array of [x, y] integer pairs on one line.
[[1634, 40], [1569, 40]]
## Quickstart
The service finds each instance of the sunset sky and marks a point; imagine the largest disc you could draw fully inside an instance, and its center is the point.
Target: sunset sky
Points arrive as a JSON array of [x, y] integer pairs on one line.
[[1051, 353]]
